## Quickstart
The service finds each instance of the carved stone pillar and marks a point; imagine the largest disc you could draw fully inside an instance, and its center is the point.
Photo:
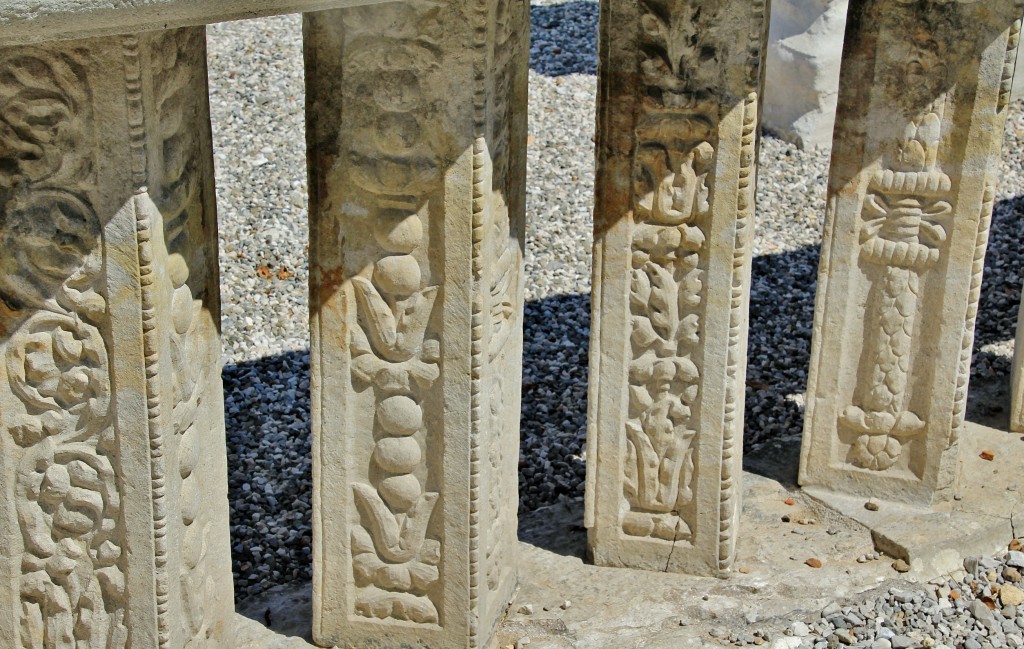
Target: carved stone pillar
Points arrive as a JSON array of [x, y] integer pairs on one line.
[[677, 152], [923, 99], [113, 515], [1017, 377], [416, 114]]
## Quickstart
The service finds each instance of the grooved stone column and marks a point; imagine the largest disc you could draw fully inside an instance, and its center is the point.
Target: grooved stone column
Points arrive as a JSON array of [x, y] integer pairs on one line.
[[114, 513], [416, 114], [923, 95], [677, 152]]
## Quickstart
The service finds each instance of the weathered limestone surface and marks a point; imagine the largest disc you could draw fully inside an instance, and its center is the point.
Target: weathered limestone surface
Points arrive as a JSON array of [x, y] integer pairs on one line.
[[113, 515], [416, 114], [677, 150], [805, 47], [33, 21], [921, 112]]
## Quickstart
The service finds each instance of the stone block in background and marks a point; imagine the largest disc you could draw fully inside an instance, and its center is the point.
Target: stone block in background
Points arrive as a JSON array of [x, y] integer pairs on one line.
[[802, 70], [805, 46]]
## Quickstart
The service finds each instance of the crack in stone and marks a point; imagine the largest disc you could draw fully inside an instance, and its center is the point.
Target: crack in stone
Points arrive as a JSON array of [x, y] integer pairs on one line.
[[675, 539]]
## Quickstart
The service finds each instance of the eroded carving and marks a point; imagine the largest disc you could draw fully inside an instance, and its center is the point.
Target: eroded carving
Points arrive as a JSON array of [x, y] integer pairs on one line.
[[673, 168], [906, 217], [394, 562], [66, 492]]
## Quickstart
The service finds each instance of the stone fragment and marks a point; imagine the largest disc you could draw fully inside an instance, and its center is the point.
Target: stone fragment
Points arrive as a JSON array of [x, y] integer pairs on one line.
[[526, 609], [1015, 559], [912, 188], [899, 565], [799, 629], [416, 142], [902, 642], [813, 562], [802, 70], [114, 518], [677, 142], [1010, 595]]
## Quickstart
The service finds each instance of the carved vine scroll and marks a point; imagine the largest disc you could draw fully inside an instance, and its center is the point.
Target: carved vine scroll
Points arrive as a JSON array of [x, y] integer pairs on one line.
[[53, 312]]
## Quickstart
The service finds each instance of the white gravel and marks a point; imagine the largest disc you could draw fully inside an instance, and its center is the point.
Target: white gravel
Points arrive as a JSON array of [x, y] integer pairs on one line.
[[257, 102]]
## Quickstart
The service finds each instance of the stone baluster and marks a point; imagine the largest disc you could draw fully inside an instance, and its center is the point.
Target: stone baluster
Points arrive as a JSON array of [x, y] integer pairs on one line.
[[677, 152], [1017, 377], [416, 146], [924, 91], [114, 513]]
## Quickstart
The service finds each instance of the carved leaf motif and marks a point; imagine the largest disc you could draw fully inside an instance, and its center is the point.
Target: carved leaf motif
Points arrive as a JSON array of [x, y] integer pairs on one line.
[[396, 332], [397, 537], [43, 109]]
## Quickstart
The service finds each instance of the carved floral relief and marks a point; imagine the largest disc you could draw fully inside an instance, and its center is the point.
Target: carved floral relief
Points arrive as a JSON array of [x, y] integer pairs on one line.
[[394, 161], [56, 359], [906, 221], [673, 169]]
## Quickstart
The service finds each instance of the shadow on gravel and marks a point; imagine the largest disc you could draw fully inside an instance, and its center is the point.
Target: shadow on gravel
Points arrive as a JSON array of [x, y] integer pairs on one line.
[[267, 405], [564, 38]]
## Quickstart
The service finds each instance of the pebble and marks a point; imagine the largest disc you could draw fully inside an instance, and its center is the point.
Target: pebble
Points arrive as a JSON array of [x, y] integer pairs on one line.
[[1010, 595], [526, 609], [948, 612], [799, 629]]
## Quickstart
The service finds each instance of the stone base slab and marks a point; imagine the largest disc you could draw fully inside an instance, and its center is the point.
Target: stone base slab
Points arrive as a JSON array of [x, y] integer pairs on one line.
[[611, 608], [934, 541]]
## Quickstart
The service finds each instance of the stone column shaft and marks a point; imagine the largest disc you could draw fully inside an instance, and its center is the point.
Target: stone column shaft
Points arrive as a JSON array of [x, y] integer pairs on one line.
[[113, 514], [923, 96], [416, 114], [677, 152], [1017, 377]]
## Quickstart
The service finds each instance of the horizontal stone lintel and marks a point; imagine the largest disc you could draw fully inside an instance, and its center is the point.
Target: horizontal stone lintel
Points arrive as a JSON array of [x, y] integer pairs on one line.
[[33, 21]]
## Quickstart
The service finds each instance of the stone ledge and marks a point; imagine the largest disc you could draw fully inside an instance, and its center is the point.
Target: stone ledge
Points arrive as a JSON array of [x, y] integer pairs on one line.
[[33, 21], [250, 634], [933, 541]]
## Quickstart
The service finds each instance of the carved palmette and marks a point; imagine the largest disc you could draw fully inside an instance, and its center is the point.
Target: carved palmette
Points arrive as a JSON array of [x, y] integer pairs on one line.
[[108, 387], [922, 104]]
